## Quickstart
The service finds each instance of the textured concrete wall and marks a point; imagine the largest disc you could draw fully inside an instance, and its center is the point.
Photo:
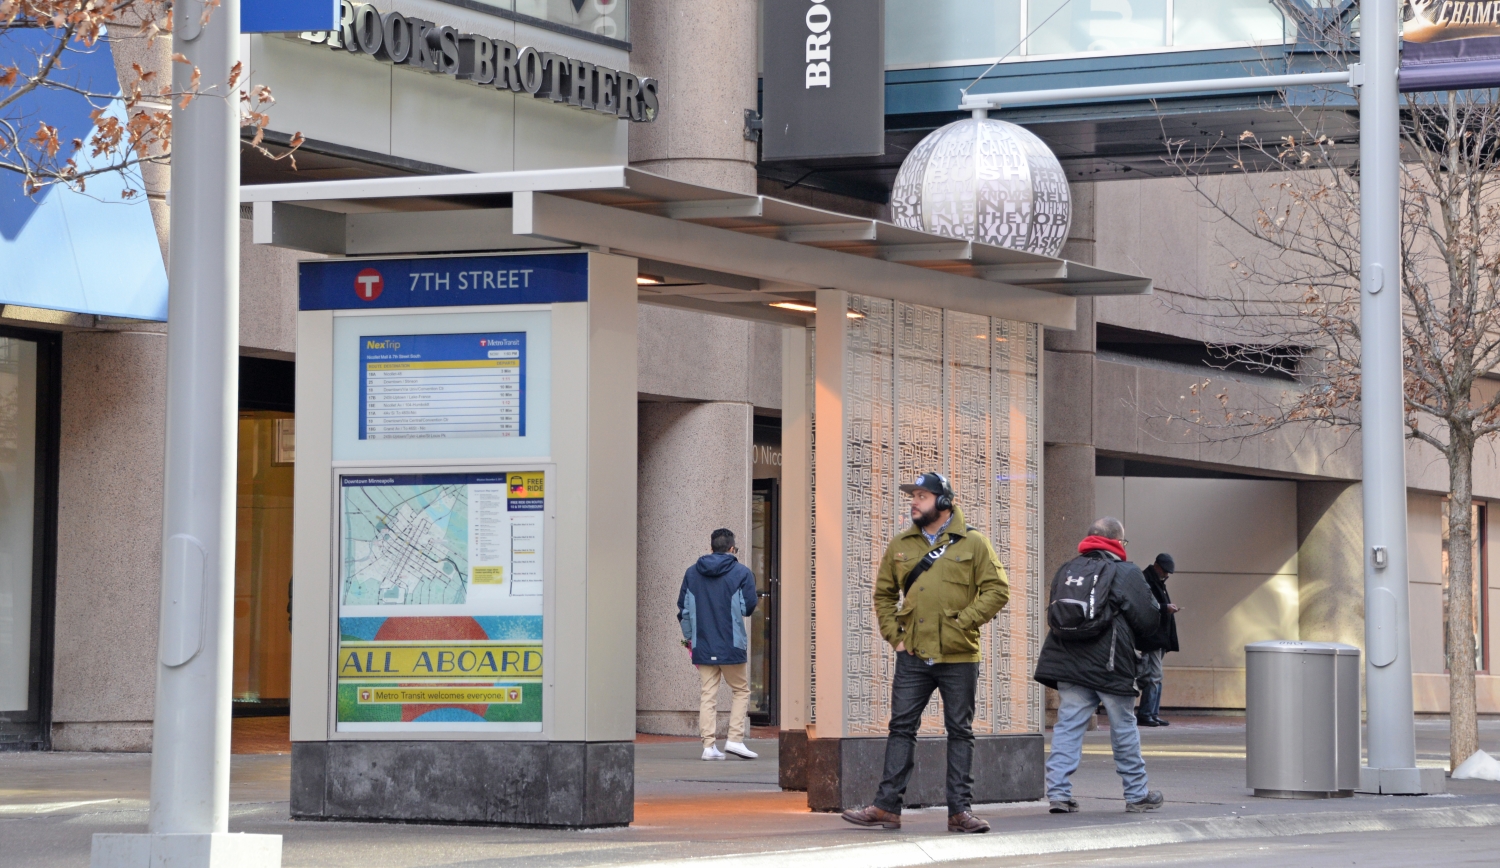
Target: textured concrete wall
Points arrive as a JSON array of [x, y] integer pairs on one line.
[[1068, 409], [1424, 552], [1330, 565], [686, 355], [109, 539], [704, 56], [694, 477], [268, 297]]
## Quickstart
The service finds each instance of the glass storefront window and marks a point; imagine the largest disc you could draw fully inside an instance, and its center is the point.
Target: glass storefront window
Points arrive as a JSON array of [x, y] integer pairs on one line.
[[599, 17], [1207, 22], [944, 31], [764, 644], [951, 32], [18, 384], [1109, 26], [263, 559], [28, 468]]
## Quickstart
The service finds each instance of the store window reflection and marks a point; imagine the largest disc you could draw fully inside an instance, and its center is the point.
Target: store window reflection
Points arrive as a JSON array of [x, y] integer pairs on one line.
[[1206, 22], [951, 32], [599, 17], [942, 31], [1113, 26], [18, 585]]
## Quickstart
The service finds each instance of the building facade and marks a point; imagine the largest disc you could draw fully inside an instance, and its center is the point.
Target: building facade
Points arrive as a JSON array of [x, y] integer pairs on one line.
[[1042, 428]]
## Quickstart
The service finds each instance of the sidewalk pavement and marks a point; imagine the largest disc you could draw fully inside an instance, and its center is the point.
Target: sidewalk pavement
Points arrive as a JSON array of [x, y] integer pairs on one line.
[[690, 812]]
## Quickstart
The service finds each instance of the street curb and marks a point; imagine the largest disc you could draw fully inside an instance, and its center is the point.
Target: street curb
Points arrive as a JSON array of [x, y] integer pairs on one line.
[[936, 850]]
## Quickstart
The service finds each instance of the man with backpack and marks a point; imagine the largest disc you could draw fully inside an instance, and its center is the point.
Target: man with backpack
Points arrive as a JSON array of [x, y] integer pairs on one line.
[[717, 595], [1099, 610], [938, 583]]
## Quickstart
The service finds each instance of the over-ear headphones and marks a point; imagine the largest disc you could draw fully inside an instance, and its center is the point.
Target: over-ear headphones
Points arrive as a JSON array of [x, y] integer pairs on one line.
[[945, 497]]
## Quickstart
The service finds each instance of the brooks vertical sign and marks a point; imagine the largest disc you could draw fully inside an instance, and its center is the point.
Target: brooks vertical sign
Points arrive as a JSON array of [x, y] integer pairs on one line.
[[824, 80]]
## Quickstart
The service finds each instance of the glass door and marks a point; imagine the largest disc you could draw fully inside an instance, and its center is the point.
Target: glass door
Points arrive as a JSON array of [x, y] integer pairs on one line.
[[28, 414], [263, 563], [765, 516]]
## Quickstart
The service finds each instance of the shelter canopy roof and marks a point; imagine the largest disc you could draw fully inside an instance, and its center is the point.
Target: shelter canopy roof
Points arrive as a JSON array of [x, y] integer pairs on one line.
[[698, 247]]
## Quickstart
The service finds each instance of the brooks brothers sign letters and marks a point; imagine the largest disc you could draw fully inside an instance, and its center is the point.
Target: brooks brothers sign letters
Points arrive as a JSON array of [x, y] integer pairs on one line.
[[488, 62]]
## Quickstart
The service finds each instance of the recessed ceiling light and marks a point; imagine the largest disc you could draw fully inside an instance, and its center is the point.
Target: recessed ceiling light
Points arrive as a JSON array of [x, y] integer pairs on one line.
[[647, 280], [795, 305], [852, 314]]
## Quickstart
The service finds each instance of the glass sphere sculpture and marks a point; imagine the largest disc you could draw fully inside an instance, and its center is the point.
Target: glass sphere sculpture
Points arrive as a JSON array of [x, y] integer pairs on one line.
[[985, 180]]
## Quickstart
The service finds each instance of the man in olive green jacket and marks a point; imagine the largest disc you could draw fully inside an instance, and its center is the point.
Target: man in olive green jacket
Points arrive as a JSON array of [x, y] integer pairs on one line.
[[938, 583]]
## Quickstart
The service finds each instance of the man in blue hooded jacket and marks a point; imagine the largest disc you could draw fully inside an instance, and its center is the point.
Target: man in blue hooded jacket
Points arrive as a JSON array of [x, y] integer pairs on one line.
[[718, 593]]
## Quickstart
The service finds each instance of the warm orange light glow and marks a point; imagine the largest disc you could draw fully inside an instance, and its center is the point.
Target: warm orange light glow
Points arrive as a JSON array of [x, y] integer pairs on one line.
[[647, 280], [795, 305]]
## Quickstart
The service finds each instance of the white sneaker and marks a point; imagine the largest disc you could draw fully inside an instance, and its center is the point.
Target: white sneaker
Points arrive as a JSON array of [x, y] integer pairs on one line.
[[738, 749], [712, 753]]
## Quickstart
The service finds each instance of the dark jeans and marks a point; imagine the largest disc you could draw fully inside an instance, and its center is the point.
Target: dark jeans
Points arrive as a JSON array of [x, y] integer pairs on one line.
[[910, 690]]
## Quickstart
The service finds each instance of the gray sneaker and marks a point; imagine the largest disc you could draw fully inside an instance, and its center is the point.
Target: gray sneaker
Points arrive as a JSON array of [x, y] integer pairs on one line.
[[1152, 801], [1061, 806]]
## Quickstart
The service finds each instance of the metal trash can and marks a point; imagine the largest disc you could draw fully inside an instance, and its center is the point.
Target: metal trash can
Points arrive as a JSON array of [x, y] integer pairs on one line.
[[1301, 719]]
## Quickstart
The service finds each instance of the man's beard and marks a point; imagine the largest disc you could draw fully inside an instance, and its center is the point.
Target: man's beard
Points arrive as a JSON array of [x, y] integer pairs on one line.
[[923, 519]]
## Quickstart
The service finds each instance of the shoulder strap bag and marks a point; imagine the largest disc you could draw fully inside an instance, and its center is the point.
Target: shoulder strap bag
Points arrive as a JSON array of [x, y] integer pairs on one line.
[[922, 567]]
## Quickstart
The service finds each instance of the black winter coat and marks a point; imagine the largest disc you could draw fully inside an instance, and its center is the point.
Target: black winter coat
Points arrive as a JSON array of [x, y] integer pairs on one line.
[[1165, 638], [1107, 662]]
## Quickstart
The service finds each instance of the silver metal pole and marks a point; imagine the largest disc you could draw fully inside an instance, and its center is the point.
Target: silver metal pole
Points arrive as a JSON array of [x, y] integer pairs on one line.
[[190, 753], [1391, 738], [189, 820]]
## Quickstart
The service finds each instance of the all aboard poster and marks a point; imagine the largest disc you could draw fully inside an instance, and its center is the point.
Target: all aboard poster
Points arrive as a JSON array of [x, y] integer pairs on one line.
[[440, 602]]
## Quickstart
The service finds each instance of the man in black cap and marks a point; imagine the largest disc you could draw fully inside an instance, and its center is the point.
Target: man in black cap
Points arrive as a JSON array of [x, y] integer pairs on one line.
[[939, 582], [1148, 677]]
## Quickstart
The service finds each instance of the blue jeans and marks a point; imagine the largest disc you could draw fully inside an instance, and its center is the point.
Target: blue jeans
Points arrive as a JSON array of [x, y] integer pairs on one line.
[[1073, 712], [1148, 681]]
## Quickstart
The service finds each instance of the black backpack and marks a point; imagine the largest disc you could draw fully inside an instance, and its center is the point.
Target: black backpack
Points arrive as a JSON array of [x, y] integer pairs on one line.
[[1080, 607]]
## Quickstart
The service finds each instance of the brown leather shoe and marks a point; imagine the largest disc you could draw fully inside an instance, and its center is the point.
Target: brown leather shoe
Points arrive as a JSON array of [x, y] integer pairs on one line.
[[873, 816], [967, 822]]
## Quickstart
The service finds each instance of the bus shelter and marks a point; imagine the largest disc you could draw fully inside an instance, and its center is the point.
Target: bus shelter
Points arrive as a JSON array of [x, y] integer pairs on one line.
[[464, 648]]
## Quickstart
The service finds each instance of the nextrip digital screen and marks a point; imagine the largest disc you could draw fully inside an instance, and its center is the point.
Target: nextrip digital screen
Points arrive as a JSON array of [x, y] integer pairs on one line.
[[438, 387], [443, 281]]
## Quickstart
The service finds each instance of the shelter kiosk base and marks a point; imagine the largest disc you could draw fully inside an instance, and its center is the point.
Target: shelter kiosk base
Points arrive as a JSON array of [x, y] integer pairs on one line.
[[520, 783], [845, 772]]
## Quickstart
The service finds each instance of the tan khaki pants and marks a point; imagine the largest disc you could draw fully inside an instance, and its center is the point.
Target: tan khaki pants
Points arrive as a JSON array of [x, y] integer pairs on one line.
[[708, 704]]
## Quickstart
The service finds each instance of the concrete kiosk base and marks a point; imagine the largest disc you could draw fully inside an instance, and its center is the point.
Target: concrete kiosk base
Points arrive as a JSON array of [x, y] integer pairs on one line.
[[791, 751], [569, 784], [845, 772]]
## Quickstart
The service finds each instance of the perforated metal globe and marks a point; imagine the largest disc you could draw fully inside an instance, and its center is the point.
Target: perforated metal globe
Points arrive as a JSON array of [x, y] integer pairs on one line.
[[986, 180]]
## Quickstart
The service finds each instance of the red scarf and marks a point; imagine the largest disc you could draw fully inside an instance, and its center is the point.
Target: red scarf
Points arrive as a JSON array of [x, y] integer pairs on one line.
[[1095, 543]]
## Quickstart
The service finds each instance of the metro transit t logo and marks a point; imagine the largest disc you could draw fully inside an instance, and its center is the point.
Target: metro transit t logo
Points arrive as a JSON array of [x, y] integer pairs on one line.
[[368, 284]]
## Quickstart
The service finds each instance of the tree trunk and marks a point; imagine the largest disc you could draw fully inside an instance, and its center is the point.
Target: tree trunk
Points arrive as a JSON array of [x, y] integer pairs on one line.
[[1463, 736]]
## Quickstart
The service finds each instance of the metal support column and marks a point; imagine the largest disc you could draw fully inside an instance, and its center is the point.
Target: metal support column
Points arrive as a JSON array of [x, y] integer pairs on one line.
[[189, 821], [1391, 736]]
